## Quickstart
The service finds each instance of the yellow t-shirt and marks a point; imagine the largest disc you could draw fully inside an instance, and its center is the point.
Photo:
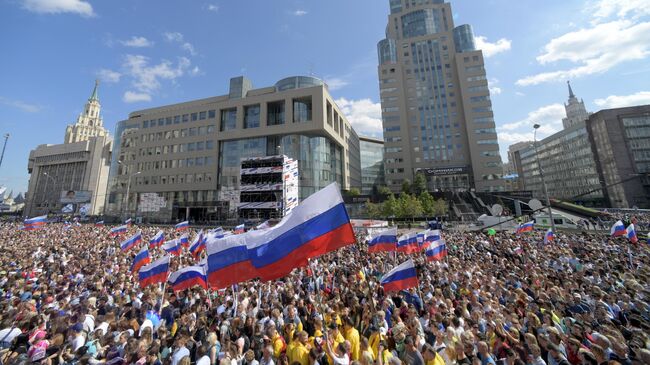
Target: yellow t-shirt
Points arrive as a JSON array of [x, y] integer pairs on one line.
[[438, 360], [352, 335], [299, 353]]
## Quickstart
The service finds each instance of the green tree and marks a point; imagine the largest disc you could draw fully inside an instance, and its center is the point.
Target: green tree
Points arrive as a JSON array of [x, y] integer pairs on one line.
[[354, 192], [419, 184], [428, 204], [389, 207], [373, 210], [384, 191], [406, 186], [441, 207], [408, 206]]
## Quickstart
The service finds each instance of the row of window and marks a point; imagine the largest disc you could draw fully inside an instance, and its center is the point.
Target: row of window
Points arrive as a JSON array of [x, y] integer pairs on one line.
[[302, 113], [176, 179], [179, 133], [178, 163], [485, 131], [177, 148], [478, 99], [184, 118], [477, 78]]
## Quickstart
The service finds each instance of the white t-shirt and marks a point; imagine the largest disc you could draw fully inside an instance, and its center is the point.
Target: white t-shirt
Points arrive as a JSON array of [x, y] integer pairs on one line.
[[205, 360], [345, 360], [8, 334]]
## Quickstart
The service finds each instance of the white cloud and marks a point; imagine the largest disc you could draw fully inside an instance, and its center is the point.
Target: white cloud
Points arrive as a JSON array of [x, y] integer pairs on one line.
[[80, 7], [189, 48], [336, 83], [491, 49], [519, 93], [173, 36], [492, 85], [621, 8], [26, 107], [213, 7], [196, 71], [299, 12], [137, 42], [107, 75], [146, 78], [135, 97], [549, 117], [620, 101], [363, 114]]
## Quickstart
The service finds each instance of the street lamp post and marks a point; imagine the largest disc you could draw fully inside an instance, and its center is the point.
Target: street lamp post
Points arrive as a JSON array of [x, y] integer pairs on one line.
[[541, 175], [128, 187], [53, 187]]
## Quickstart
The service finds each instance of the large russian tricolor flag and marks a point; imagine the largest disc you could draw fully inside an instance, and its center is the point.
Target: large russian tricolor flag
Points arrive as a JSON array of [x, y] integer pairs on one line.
[[31, 224], [131, 242], [408, 243], [228, 261], [383, 241], [157, 240], [172, 247], [436, 250], [141, 259], [155, 272], [182, 226], [188, 277], [618, 229], [526, 227], [318, 225], [401, 277], [630, 233], [115, 231], [198, 245]]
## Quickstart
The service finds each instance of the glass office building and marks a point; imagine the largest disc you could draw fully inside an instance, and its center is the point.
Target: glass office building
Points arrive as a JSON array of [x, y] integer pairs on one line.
[[372, 164]]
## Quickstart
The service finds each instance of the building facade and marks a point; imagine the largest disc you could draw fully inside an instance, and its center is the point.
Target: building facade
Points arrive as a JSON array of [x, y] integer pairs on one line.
[[621, 142], [575, 110], [514, 168], [190, 153], [372, 164], [436, 109], [80, 165]]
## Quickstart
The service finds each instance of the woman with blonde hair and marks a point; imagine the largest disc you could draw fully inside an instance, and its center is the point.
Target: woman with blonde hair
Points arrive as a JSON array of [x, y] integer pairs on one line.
[[214, 347]]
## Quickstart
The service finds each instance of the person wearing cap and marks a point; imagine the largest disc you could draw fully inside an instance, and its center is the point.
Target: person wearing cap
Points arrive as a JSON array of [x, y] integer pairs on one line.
[[77, 339]]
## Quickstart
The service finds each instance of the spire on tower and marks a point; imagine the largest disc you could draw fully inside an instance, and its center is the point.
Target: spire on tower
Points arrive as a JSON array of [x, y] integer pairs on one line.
[[94, 94], [571, 95]]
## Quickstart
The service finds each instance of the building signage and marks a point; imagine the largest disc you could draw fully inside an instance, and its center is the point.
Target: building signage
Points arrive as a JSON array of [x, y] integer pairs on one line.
[[445, 171], [75, 196]]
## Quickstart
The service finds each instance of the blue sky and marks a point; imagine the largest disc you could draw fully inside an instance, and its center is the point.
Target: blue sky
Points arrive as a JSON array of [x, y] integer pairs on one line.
[[149, 53]]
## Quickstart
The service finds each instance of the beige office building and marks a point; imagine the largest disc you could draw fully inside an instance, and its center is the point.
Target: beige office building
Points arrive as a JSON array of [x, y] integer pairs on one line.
[[187, 156], [436, 108], [80, 165]]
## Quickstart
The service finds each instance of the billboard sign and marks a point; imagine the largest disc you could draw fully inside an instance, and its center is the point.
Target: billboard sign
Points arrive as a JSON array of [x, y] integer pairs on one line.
[[444, 171], [75, 196]]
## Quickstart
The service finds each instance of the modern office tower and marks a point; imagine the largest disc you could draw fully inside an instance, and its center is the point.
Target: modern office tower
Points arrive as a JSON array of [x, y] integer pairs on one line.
[[372, 164], [575, 110], [190, 153], [75, 172], [436, 109]]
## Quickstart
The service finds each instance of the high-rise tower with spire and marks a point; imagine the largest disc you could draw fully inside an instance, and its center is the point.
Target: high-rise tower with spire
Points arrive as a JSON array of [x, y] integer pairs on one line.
[[575, 110], [89, 122]]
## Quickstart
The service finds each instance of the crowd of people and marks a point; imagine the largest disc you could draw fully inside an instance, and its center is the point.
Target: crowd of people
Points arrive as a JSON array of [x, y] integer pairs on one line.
[[68, 297]]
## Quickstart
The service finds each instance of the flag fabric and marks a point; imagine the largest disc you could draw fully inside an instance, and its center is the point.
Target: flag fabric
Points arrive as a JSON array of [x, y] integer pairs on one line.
[[239, 229], [128, 222], [116, 231], [155, 272], [264, 225], [157, 240], [99, 224], [549, 236], [630, 233], [184, 240], [401, 277], [69, 208], [131, 242], [383, 241], [182, 226], [172, 247], [618, 229], [198, 245], [188, 277], [318, 225], [141, 259], [421, 236], [526, 227], [432, 235], [436, 250], [228, 261], [31, 224], [408, 243]]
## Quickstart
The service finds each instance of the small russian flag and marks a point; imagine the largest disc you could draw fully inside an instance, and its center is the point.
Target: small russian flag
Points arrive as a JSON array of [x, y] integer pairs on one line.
[[198, 245], [182, 226], [526, 227], [157, 240], [239, 229], [618, 229], [188, 277], [549, 236], [131, 242], [401, 277], [31, 224], [436, 251], [408, 243], [155, 272], [384, 241], [184, 240], [141, 259], [115, 231], [630, 233], [128, 222], [172, 247], [99, 224]]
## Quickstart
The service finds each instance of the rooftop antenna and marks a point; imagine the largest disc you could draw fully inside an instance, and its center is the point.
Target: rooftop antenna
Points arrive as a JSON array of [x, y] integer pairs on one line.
[[3, 148]]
